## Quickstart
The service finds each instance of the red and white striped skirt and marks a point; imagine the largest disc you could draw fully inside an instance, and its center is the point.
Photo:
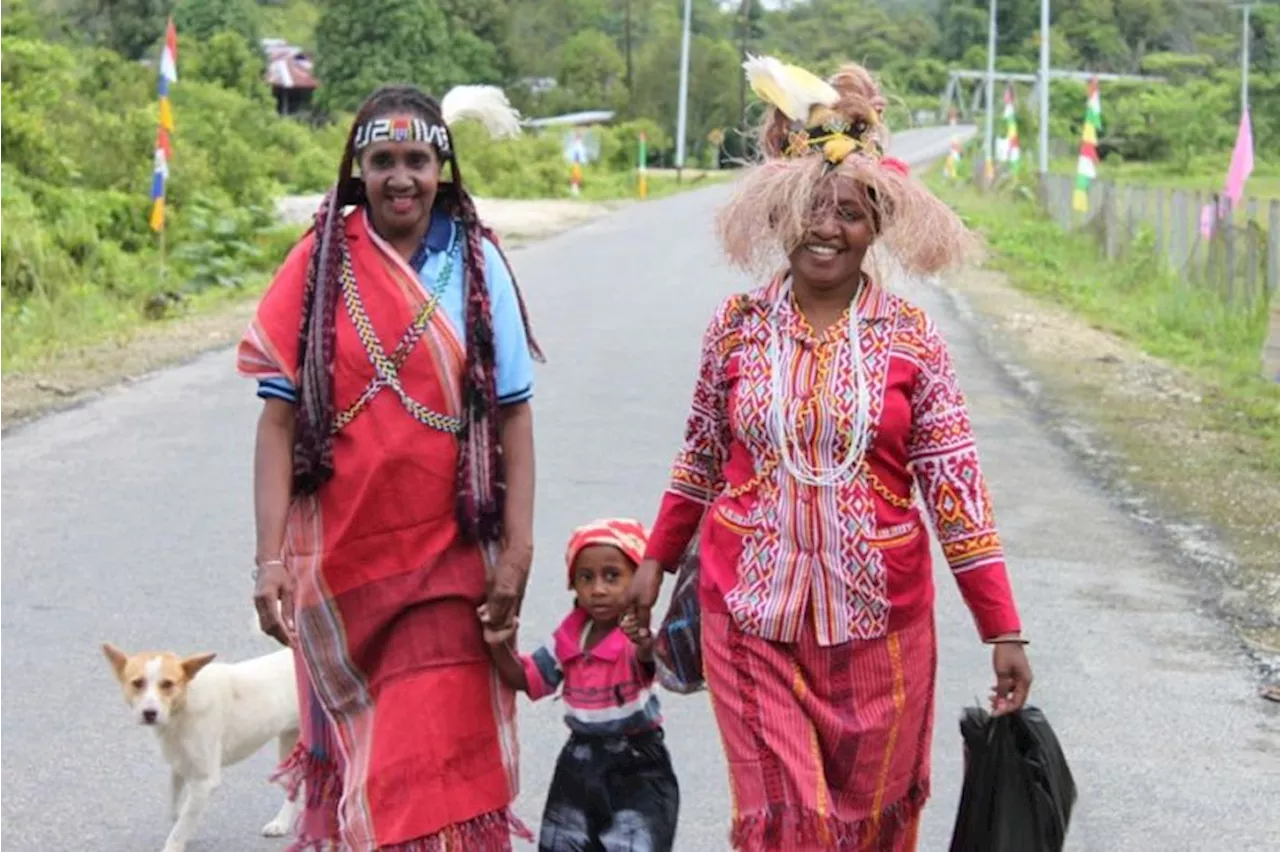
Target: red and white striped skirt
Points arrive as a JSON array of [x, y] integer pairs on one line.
[[828, 748]]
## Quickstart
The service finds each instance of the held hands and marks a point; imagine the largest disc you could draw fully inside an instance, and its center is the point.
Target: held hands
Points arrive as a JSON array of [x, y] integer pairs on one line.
[[496, 634], [1013, 676], [507, 584], [641, 637], [642, 594]]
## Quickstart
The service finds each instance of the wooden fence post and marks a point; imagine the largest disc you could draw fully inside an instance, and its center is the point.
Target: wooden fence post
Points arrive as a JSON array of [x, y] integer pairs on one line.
[[1252, 231], [1271, 348], [1161, 243]]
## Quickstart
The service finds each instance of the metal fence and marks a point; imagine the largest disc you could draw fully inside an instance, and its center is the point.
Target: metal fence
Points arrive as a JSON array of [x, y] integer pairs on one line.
[[1234, 252]]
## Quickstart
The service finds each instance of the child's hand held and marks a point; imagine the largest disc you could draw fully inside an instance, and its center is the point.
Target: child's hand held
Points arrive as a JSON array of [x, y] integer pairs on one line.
[[496, 635]]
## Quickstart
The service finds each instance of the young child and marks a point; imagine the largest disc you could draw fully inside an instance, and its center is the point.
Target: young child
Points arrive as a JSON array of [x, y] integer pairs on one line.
[[614, 788]]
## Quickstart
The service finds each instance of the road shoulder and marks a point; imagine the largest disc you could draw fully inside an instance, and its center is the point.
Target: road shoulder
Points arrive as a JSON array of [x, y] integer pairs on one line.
[[1142, 427]]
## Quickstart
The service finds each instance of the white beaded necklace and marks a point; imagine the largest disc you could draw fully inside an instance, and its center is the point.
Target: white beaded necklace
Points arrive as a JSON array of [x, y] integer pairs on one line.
[[784, 431]]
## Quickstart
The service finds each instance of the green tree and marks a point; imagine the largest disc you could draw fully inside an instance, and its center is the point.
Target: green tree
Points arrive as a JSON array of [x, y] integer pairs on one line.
[[129, 27], [360, 46], [591, 68], [203, 19], [229, 61]]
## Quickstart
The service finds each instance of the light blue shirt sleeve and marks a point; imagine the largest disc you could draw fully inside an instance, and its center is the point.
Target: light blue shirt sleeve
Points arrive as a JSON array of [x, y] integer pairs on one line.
[[511, 344], [514, 365]]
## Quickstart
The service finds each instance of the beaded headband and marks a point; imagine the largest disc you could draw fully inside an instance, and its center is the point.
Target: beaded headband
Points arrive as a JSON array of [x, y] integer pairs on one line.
[[402, 128]]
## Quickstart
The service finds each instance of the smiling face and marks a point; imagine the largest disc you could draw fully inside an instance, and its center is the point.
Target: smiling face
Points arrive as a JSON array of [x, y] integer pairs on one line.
[[154, 685], [400, 180], [840, 230], [601, 574]]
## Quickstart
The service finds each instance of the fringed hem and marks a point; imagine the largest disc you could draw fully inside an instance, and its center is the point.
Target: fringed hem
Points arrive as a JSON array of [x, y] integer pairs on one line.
[[321, 777], [489, 832], [785, 827], [316, 827]]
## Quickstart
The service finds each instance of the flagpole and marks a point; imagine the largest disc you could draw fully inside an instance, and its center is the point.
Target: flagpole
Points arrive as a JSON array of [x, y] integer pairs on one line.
[[988, 167], [1244, 55], [1044, 87]]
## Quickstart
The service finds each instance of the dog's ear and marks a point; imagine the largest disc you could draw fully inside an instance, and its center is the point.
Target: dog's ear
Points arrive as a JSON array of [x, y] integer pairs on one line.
[[192, 665], [116, 657]]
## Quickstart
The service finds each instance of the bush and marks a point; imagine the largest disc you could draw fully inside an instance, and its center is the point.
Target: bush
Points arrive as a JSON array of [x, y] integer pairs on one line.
[[78, 138]]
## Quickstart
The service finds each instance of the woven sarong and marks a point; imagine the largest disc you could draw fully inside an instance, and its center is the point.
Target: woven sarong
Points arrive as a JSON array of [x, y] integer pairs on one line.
[[409, 735], [828, 748]]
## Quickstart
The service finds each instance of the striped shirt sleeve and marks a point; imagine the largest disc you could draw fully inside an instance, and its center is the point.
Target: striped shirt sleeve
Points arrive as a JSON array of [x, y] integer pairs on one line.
[[542, 671], [277, 387]]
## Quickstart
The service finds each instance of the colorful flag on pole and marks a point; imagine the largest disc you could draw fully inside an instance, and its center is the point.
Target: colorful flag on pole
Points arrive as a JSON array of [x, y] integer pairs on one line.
[[1011, 148], [1241, 160], [642, 166], [164, 151], [952, 165], [1087, 164]]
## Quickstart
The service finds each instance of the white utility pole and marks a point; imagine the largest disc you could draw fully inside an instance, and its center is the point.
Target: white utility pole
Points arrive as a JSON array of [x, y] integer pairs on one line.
[[1043, 84], [1244, 58], [682, 110], [988, 138]]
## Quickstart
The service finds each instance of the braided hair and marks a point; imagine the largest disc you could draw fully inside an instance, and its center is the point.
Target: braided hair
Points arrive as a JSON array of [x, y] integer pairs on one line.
[[480, 477]]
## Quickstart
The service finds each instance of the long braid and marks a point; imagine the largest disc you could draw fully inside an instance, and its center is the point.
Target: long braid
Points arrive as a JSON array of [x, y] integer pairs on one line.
[[481, 482], [313, 445]]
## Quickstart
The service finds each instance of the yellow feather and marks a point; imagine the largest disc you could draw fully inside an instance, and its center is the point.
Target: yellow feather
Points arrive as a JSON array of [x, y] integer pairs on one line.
[[791, 89]]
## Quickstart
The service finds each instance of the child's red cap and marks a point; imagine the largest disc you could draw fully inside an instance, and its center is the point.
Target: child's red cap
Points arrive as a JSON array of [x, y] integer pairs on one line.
[[626, 534]]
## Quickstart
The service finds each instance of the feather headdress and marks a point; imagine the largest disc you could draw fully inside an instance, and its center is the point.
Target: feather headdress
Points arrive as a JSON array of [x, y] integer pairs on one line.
[[793, 90], [485, 104], [816, 134]]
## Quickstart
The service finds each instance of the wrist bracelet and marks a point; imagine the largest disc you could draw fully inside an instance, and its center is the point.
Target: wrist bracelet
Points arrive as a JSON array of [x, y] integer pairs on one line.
[[266, 563], [1009, 640]]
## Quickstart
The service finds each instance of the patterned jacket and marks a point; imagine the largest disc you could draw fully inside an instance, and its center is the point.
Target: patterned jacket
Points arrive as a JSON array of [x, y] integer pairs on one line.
[[854, 557]]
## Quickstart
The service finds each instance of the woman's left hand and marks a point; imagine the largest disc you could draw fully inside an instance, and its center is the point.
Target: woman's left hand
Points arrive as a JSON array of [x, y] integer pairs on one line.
[[506, 586], [1013, 678]]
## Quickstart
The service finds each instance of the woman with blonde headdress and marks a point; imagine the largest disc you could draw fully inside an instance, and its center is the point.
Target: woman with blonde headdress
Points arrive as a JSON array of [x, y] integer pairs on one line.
[[825, 414], [393, 488]]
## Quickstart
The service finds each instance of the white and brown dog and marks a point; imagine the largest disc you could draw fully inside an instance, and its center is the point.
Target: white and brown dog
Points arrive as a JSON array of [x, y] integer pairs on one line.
[[208, 716]]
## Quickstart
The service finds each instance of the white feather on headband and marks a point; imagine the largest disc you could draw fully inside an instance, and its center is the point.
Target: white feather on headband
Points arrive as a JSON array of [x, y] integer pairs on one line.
[[790, 88], [486, 104]]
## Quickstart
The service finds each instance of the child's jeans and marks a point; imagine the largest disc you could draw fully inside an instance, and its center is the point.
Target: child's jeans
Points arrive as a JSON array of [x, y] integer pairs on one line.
[[611, 794]]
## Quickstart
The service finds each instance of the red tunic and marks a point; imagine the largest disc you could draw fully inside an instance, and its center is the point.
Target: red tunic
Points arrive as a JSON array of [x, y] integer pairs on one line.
[[854, 557]]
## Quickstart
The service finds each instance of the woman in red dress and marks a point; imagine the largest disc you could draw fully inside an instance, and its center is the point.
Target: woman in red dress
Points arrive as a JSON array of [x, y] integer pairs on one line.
[[393, 486], [826, 414]]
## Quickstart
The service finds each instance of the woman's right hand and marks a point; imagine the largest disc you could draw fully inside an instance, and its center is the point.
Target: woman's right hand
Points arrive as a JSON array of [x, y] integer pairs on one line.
[[643, 591], [273, 599]]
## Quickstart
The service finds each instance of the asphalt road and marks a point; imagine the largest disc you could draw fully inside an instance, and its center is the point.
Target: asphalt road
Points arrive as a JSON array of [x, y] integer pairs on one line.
[[130, 520]]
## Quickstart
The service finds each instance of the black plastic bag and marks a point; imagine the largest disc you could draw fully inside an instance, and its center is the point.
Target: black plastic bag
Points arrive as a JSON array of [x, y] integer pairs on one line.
[[1018, 791]]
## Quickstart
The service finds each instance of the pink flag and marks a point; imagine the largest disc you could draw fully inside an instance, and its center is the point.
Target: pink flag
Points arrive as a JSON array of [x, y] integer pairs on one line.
[[1241, 160]]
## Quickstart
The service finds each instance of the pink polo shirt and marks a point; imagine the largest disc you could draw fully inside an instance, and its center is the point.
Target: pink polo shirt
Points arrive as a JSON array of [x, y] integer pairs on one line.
[[607, 690]]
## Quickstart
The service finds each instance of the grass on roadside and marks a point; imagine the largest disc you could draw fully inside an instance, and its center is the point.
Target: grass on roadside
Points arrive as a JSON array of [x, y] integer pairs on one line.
[[39, 330], [1135, 298], [1203, 175], [624, 185]]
